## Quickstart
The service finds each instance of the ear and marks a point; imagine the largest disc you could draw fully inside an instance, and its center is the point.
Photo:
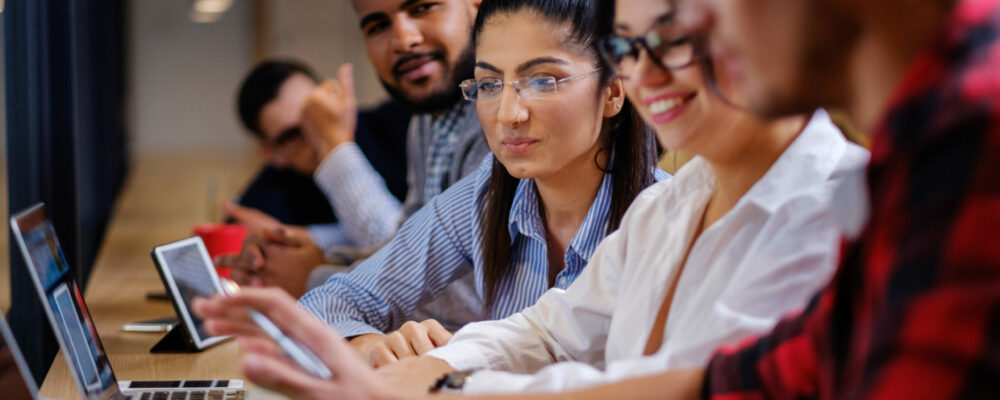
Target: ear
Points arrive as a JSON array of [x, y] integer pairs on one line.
[[475, 4], [615, 100]]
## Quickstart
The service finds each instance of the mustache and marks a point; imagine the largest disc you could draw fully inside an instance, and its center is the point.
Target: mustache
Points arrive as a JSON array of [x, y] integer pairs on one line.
[[436, 55]]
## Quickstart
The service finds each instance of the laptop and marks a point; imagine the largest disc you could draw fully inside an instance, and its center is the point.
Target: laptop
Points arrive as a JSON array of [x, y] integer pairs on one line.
[[16, 382], [76, 332]]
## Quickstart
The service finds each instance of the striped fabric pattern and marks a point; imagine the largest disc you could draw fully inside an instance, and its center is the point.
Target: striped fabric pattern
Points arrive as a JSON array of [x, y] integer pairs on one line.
[[441, 243], [444, 138]]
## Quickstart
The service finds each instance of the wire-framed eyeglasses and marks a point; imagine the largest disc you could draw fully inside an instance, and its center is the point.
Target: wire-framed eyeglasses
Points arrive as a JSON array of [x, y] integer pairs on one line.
[[490, 89]]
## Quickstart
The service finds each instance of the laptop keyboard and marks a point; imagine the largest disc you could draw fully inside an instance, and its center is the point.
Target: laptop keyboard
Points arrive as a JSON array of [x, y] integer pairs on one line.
[[215, 394]]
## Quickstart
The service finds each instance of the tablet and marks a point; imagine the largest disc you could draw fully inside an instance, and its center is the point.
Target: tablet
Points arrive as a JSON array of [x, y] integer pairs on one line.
[[187, 272]]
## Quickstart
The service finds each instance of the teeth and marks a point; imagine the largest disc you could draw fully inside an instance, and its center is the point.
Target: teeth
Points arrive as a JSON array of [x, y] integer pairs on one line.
[[665, 105]]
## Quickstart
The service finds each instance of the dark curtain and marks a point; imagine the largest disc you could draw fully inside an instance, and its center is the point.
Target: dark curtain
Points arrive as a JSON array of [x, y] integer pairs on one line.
[[66, 142]]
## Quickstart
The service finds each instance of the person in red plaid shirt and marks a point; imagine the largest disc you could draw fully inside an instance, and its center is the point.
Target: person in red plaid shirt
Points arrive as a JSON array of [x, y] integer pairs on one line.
[[914, 310]]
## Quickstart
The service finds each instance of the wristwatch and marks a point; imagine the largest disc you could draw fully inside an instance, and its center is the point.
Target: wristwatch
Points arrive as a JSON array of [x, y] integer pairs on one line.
[[453, 382]]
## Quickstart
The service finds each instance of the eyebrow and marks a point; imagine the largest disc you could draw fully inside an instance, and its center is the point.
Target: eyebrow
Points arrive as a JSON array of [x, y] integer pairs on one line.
[[667, 17], [375, 16], [525, 65]]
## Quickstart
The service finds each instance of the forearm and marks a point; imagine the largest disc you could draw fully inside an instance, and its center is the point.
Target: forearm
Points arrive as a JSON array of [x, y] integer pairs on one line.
[[681, 384], [366, 209]]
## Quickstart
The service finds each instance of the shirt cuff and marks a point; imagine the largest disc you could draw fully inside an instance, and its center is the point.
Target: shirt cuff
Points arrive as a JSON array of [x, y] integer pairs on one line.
[[329, 235], [351, 328], [496, 382], [460, 357], [322, 273]]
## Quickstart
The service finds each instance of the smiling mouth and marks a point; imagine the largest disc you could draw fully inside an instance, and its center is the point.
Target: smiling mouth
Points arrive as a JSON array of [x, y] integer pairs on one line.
[[667, 105]]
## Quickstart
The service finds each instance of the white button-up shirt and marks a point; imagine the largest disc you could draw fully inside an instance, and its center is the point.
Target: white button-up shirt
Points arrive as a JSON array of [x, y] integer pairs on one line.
[[761, 260]]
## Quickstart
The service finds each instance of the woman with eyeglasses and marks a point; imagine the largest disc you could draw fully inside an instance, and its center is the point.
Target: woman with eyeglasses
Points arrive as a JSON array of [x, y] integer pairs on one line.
[[569, 156], [743, 234]]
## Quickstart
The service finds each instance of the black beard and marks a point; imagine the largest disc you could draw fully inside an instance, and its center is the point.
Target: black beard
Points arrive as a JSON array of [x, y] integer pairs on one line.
[[445, 96]]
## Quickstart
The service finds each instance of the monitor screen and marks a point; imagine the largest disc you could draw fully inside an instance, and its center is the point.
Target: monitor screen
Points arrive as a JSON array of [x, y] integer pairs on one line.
[[66, 308]]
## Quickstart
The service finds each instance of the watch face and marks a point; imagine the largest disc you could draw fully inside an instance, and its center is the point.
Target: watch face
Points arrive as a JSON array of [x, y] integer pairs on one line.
[[457, 379]]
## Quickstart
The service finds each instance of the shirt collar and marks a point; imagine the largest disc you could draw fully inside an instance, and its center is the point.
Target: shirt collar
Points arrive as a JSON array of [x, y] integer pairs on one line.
[[812, 157], [451, 117], [526, 218]]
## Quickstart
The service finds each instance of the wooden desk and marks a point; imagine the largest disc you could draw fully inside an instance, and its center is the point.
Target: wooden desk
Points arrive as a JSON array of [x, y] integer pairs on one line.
[[164, 197]]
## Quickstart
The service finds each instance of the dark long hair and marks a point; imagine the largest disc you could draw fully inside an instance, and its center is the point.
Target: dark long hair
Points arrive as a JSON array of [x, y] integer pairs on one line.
[[628, 142]]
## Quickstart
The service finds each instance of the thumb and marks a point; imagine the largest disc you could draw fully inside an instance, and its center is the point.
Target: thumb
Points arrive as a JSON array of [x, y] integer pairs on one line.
[[346, 76]]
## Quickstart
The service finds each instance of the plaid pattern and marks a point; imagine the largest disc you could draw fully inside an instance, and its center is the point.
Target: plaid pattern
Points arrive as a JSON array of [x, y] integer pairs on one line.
[[444, 138], [914, 310]]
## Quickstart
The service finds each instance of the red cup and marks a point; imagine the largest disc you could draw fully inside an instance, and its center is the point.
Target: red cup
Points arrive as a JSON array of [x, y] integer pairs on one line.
[[222, 239]]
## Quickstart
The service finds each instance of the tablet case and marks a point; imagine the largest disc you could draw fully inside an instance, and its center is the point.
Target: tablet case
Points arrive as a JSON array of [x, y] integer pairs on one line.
[[178, 340]]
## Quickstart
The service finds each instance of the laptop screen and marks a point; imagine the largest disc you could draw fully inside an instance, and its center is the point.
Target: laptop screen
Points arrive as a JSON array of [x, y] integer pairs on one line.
[[67, 311], [16, 382]]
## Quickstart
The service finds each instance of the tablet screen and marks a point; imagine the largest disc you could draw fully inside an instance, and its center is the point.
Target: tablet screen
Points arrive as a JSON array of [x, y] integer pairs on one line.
[[189, 274]]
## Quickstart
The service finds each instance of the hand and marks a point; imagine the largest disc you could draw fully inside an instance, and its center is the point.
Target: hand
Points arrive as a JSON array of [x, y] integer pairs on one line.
[[330, 113], [288, 264], [411, 340], [245, 267], [266, 366], [253, 219], [280, 257], [415, 374]]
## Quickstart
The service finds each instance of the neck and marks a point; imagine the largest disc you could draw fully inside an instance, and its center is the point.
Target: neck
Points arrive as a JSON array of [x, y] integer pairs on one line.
[[741, 166], [567, 195], [893, 35]]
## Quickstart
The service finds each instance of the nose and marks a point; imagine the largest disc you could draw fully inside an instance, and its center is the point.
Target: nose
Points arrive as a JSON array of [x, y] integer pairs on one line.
[[406, 34], [649, 74], [511, 112]]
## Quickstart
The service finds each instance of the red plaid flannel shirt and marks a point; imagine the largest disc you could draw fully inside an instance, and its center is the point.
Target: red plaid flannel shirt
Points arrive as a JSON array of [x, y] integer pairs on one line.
[[914, 310]]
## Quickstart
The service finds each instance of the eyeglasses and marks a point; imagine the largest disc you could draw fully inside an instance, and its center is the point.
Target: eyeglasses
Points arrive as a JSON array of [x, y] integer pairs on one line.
[[665, 44], [490, 89], [284, 138]]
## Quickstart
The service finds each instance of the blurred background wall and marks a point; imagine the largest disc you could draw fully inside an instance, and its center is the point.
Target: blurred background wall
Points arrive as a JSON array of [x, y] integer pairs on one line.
[[172, 108], [92, 88]]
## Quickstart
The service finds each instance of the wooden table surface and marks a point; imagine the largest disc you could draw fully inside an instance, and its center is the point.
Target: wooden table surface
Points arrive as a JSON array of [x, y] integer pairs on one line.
[[164, 197]]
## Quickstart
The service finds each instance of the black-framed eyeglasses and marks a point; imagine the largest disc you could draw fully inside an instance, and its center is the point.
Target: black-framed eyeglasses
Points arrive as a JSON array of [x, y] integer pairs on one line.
[[490, 89], [666, 44], [284, 138]]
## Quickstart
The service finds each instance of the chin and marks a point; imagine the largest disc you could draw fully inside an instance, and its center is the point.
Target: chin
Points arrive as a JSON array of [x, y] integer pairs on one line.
[[519, 170]]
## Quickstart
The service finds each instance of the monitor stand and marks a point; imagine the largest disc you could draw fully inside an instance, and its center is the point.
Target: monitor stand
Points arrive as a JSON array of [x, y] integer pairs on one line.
[[175, 341]]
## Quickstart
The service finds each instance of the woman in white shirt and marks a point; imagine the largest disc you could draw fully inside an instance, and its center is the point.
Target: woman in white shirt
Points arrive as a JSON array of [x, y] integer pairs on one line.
[[743, 234]]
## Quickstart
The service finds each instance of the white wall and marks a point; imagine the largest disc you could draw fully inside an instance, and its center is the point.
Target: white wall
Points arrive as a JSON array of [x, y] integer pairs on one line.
[[324, 34], [184, 76]]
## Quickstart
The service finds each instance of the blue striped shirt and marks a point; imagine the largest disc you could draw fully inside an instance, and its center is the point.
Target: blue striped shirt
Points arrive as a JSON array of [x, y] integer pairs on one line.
[[441, 243]]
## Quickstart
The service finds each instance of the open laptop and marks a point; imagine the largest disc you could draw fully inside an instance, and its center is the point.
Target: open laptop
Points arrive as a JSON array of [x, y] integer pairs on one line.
[[76, 332], [16, 382]]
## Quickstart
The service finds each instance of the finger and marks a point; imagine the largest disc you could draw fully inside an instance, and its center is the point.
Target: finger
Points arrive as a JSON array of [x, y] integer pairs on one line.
[[381, 355], [274, 374], [399, 345], [346, 76], [438, 334], [300, 325], [276, 235], [220, 327], [260, 345], [227, 261], [416, 335]]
